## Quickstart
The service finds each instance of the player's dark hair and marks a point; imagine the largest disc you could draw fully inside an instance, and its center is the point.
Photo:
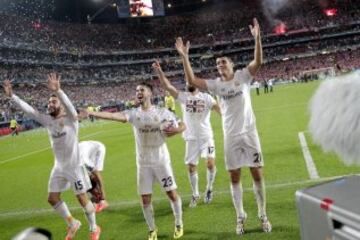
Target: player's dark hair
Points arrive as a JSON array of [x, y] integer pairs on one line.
[[148, 85], [191, 88], [53, 95], [222, 56]]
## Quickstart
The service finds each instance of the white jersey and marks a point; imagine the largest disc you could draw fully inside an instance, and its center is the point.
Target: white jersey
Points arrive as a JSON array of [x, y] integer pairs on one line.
[[63, 132], [196, 115], [92, 153], [235, 102], [151, 149]]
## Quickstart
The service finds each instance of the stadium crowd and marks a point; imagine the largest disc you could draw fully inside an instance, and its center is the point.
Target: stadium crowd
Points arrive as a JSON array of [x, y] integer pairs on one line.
[[108, 60], [207, 26]]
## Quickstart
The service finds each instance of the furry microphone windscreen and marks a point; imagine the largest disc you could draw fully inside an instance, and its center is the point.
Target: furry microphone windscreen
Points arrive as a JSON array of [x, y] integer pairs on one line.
[[335, 117]]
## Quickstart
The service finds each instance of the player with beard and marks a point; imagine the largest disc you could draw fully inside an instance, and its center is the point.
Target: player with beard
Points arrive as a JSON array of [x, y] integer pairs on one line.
[[196, 107], [241, 140], [62, 126], [152, 156]]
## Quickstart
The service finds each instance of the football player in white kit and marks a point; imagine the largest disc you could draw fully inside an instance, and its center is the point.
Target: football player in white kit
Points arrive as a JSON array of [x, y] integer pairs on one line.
[[152, 156], [196, 107], [92, 153], [241, 140], [68, 171]]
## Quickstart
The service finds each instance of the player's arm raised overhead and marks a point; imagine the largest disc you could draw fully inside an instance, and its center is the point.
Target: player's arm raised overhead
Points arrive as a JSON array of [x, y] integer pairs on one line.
[[118, 116], [165, 83], [28, 110], [255, 64], [54, 85], [183, 51]]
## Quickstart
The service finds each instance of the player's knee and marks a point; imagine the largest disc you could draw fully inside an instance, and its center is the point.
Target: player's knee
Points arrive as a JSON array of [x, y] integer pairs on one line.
[[234, 176], [53, 200], [83, 199], [211, 164], [145, 200], [256, 174], [192, 168], [172, 196]]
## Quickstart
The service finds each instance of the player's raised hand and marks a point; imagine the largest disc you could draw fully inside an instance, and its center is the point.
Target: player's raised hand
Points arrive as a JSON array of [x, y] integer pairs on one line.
[[255, 28], [8, 88], [53, 82], [183, 49], [156, 66]]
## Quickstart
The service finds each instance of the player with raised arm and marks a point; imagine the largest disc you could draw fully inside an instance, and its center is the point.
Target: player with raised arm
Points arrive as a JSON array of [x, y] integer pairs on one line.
[[68, 171], [196, 107], [241, 140], [152, 156]]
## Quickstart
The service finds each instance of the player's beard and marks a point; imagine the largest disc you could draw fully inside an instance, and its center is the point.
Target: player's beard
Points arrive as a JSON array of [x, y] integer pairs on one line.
[[53, 111]]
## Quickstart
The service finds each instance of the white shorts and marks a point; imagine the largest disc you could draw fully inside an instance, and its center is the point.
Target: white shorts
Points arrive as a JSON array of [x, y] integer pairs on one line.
[[77, 178], [204, 148], [147, 176], [243, 151]]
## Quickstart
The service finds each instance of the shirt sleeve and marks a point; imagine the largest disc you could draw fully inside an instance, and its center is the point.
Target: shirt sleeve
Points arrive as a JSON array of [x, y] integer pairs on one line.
[[210, 101], [244, 76], [69, 107], [211, 85], [181, 98], [129, 115], [29, 110]]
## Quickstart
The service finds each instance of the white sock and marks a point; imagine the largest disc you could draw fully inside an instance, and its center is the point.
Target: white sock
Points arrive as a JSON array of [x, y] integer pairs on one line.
[[210, 177], [177, 210], [149, 216], [64, 212], [89, 211], [259, 191], [194, 181], [237, 197]]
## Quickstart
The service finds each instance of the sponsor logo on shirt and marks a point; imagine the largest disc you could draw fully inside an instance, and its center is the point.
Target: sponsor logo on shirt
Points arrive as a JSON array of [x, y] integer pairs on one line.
[[231, 94], [149, 129], [58, 134]]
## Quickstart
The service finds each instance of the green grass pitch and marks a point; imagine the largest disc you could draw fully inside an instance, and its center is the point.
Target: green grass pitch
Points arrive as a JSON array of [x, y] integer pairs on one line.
[[26, 161]]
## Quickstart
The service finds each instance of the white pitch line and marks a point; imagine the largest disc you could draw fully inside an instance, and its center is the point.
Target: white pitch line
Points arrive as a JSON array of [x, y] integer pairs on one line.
[[41, 150], [114, 205], [307, 156]]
